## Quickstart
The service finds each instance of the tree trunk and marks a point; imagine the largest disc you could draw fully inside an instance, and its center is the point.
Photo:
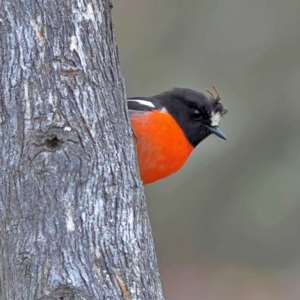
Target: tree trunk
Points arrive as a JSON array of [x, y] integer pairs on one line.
[[73, 217]]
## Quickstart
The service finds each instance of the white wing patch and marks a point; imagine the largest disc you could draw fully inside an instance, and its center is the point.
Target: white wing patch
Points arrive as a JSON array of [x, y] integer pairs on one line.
[[143, 102], [215, 118]]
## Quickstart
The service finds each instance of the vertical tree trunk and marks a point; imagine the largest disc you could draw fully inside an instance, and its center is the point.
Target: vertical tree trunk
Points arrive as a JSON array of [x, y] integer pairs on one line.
[[73, 218]]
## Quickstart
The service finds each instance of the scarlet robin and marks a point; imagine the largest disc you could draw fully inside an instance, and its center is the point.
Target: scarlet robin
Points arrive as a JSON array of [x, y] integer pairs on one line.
[[168, 126]]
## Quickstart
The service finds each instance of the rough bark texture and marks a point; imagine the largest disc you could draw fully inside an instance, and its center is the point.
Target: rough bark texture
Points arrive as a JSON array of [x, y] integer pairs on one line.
[[73, 218]]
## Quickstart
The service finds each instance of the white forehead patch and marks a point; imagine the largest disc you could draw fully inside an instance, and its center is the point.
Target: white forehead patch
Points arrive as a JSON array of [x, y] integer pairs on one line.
[[215, 118], [143, 102]]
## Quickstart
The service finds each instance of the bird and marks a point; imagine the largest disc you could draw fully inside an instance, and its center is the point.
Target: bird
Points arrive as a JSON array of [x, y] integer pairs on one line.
[[167, 127]]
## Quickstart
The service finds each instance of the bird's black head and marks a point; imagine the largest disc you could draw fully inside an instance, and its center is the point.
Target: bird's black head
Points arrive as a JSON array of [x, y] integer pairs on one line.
[[197, 114]]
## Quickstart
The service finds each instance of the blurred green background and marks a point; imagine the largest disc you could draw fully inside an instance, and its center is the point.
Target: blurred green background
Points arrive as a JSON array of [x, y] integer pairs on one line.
[[227, 225]]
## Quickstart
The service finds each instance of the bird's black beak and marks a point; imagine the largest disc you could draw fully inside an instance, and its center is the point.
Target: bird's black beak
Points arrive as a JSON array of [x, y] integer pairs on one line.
[[217, 131]]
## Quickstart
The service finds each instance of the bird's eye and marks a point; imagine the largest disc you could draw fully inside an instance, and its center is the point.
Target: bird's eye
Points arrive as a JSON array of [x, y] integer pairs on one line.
[[196, 115]]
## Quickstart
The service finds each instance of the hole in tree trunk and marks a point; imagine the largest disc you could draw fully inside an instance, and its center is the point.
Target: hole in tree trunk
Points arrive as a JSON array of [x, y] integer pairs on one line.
[[53, 142]]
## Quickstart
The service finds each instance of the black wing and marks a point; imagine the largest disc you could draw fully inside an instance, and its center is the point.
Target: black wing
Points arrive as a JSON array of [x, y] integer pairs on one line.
[[143, 104]]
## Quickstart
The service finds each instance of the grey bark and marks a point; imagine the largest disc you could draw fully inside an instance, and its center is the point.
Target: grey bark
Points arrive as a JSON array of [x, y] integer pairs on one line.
[[73, 217]]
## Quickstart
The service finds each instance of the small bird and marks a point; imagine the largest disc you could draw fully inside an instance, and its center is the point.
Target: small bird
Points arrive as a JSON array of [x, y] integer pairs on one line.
[[168, 126]]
